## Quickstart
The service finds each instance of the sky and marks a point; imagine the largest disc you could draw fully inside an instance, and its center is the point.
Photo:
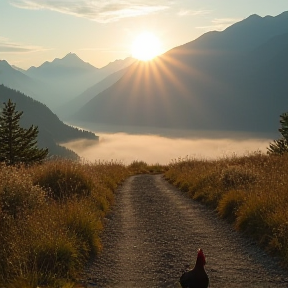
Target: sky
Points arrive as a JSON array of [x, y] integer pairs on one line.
[[102, 31]]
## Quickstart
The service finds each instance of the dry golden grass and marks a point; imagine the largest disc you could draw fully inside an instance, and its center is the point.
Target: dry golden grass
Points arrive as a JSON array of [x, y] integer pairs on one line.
[[51, 214], [51, 218], [251, 191], [141, 167]]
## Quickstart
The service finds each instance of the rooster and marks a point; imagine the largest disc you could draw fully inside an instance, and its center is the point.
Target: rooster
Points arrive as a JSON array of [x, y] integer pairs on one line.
[[197, 277]]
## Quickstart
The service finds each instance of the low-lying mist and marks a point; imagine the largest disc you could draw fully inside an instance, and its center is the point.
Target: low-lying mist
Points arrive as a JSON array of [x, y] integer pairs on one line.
[[153, 149]]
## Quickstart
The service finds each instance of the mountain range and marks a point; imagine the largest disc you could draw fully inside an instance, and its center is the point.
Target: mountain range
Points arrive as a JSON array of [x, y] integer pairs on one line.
[[57, 82], [233, 80], [236, 80]]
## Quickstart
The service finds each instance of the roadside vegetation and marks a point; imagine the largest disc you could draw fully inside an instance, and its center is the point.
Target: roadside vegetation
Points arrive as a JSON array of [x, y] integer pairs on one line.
[[51, 214], [51, 217], [249, 191]]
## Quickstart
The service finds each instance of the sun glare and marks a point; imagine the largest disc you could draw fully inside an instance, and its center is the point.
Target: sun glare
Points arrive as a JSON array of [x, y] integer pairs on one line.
[[146, 46]]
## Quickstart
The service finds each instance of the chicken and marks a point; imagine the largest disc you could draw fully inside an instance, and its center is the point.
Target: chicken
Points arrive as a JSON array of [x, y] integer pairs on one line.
[[197, 277]]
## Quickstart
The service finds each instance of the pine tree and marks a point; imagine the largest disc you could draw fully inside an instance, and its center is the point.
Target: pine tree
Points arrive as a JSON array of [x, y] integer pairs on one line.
[[280, 146], [17, 144], [284, 125]]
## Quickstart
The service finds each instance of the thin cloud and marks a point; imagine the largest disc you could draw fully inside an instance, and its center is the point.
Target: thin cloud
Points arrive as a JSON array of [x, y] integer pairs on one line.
[[103, 11], [220, 24], [193, 12], [153, 149], [7, 46]]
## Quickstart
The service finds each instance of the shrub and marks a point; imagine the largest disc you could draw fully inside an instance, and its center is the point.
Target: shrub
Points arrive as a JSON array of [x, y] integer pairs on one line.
[[64, 179], [279, 242], [38, 249], [229, 204], [54, 258], [252, 218], [84, 223], [237, 177], [205, 189], [18, 195], [138, 167]]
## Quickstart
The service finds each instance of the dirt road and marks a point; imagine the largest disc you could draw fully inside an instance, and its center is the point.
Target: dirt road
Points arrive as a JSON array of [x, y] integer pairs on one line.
[[155, 230]]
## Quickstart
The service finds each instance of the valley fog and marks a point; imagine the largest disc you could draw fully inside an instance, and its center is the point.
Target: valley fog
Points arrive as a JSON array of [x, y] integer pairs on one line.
[[164, 146]]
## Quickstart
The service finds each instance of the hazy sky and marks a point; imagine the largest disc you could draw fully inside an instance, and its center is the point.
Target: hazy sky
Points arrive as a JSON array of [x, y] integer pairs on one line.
[[101, 31]]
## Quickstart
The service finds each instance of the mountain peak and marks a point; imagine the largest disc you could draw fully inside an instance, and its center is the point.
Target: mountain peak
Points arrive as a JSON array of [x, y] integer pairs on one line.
[[71, 55], [4, 63], [254, 16], [73, 60]]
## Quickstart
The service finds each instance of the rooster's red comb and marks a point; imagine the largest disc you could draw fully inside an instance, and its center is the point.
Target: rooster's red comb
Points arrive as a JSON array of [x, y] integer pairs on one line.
[[201, 257]]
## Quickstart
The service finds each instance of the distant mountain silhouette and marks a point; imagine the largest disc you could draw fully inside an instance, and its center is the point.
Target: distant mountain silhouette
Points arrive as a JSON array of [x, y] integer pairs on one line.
[[71, 76], [70, 64], [17, 80], [52, 131], [116, 65], [230, 80], [68, 76], [71, 107], [57, 82]]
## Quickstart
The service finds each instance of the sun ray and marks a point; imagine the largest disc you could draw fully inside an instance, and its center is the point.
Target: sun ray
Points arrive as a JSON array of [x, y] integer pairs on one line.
[[159, 85]]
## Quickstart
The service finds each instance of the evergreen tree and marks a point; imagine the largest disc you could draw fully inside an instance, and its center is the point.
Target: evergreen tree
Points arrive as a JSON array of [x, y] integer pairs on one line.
[[280, 146], [284, 125], [17, 144]]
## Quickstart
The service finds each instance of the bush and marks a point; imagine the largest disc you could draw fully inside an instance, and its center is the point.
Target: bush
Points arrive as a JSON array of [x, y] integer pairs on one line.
[[138, 167], [229, 204], [18, 195], [237, 177], [84, 223], [64, 179], [53, 259], [141, 167], [252, 218], [279, 242]]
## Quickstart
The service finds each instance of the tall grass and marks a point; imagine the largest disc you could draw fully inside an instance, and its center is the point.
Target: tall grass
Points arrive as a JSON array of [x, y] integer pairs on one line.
[[51, 218], [51, 215], [250, 191]]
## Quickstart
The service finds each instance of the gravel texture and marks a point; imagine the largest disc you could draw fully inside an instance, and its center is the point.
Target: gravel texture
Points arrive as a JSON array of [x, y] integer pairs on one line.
[[154, 231]]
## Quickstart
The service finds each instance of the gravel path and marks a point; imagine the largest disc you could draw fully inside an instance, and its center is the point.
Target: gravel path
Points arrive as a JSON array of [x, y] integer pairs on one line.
[[155, 230]]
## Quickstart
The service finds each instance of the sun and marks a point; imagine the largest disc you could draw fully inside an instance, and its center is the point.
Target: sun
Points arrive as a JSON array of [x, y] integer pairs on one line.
[[146, 46]]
